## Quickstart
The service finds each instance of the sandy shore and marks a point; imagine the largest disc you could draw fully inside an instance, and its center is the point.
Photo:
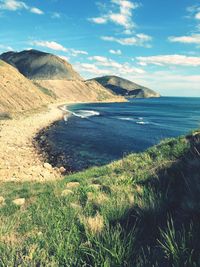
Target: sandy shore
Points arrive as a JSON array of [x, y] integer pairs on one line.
[[19, 160]]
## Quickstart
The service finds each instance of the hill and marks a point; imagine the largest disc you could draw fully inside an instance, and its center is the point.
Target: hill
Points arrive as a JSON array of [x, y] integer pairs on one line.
[[39, 65], [123, 87], [78, 91], [56, 76], [17, 93], [140, 211]]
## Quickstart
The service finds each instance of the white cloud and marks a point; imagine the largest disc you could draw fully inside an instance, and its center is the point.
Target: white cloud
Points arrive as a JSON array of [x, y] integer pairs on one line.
[[75, 52], [50, 44], [14, 5], [122, 17], [168, 83], [197, 16], [115, 52], [194, 11], [64, 58], [104, 61], [165, 82], [161, 60], [5, 48], [36, 10], [58, 47], [137, 40], [116, 67], [194, 38], [99, 20], [190, 39], [91, 69]]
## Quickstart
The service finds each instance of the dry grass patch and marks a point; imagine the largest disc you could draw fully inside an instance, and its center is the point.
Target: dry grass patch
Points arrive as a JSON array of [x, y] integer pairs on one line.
[[139, 189], [73, 184], [95, 224], [2, 201], [75, 206], [19, 201], [97, 198], [10, 239], [66, 192]]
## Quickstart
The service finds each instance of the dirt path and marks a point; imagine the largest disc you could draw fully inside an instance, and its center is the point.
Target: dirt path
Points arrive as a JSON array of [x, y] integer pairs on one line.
[[19, 160]]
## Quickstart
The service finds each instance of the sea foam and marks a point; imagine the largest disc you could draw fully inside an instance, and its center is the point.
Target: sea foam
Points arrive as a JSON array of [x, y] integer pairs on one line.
[[85, 113]]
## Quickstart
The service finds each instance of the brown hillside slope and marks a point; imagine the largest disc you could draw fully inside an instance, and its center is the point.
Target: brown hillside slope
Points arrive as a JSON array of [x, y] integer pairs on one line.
[[52, 73], [79, 91], [17, 93]]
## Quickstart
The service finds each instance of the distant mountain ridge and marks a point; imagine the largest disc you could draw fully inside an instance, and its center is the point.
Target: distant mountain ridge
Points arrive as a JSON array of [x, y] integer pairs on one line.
[[123, 87], [31, 79], [37, 65]]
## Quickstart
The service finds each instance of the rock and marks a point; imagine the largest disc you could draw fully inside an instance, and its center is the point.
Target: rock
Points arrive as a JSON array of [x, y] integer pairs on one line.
[[47, 166], [2, 201], [19, 201], [66, 192], [73, 184], [43, 138], [62, 170]]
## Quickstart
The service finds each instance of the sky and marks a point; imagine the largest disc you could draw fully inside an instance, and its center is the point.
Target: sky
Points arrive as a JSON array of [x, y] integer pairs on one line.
[[151, 42]]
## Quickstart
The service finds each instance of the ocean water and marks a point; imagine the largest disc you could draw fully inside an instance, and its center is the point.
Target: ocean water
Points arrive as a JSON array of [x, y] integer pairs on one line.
[[96, 134]]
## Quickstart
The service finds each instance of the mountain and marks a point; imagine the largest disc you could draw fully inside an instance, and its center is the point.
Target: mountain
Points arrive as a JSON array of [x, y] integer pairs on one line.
[[123, 87], [17, 93], [39, 65], [79, 91], [30, 79]]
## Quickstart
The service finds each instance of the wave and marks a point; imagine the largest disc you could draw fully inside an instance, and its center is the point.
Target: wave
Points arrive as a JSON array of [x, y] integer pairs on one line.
[[139, 120], [85, 113], [142, 122], [126, 119], [64, 108], [65, 118]]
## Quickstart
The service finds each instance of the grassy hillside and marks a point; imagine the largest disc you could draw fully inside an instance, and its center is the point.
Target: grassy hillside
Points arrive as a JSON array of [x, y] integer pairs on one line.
[[140, 211]]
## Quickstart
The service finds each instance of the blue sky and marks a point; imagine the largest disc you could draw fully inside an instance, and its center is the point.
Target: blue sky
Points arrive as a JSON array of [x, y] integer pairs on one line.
[[155, 43]]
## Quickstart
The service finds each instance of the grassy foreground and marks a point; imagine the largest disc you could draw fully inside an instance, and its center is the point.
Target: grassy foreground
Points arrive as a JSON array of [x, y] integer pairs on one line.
[[143, 210]]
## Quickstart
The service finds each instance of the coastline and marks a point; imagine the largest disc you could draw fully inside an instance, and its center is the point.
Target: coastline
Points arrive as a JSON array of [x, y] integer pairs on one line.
[[20, 158]]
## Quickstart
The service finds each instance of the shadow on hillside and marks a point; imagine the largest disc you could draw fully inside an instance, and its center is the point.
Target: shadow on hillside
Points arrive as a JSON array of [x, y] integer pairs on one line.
[[167, 214]]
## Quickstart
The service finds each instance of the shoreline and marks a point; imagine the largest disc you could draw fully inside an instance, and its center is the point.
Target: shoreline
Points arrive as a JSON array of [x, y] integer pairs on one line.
[[20, 158]]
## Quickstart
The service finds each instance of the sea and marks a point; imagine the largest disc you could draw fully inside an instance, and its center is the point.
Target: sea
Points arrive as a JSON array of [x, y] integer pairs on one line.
[[99, 133]]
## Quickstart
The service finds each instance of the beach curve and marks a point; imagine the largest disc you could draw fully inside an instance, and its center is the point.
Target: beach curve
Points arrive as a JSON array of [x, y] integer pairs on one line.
[[19, 159]]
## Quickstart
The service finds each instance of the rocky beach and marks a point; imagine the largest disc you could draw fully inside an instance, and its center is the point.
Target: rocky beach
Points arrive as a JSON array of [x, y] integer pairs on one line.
[[19, 158]]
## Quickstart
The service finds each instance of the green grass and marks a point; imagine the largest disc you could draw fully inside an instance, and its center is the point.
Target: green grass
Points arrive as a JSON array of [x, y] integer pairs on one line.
[[143, 210], [5, 116], [45, 90], [1, 62]]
